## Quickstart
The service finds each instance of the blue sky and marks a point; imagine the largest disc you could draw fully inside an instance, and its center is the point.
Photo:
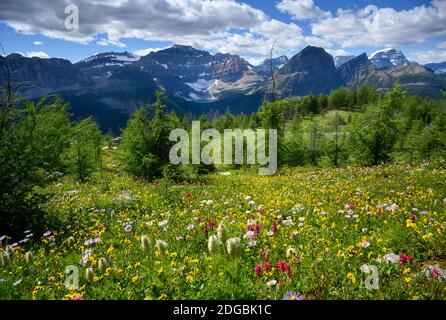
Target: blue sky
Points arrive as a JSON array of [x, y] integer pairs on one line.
[[247, 28]]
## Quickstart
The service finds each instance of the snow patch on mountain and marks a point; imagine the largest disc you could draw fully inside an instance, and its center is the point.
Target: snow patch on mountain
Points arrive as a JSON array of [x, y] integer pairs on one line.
[[200, 85]]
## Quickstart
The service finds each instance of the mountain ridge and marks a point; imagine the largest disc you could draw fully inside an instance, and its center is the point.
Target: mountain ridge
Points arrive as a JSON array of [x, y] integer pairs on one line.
[[197, 81]]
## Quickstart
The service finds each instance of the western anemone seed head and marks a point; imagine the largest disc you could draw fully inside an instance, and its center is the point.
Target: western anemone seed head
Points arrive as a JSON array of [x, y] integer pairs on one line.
[[102, 265], [3, 259], [222, 233], [10, 252], [89, 274], [145, 243], [70, 241], [213, 244], [291, 253], [233, 246], [29, 257], [161, 245]]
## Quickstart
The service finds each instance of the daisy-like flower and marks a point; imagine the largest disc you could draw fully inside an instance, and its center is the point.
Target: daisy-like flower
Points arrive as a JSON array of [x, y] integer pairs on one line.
[[47, 234], [271, 283], [365, 244], [163, 223], [292, 295]]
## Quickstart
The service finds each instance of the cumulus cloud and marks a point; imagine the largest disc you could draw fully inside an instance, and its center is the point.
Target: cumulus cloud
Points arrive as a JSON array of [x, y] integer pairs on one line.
[[302, 9], [37, 43], [150, 20], [38, 54], [383, 26], [224, 25], [429, 56]]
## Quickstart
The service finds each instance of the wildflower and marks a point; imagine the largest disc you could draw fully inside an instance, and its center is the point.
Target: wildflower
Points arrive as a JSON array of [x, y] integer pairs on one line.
[[405, 258], [291, 295], [102, 265], [248, 198], [274, 228], [47, 234], [190, 227], [213, 244], [70, 241], [145, 242], [258, 270], [282, 266], [365, 244], [266, 266], [89, 274], [128, 228], [222, 233], [233, 247], [10, 252], [271, 283], [78, 297], [351, 277], [161, 247], [163, 223], [252, 243], [29, 257]]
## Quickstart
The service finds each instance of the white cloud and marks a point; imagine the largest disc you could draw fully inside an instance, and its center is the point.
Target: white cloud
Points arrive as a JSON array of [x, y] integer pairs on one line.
[[384, 27], [37, 43], [108, 42], [146, 51], [39, 54], [441, 45], [302, 9], [429, 56], [339, 52]]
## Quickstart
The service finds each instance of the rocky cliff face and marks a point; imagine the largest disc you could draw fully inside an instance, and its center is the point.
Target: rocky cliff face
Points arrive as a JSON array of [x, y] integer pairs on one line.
[[310, 71], [38, 77], [354, 72]]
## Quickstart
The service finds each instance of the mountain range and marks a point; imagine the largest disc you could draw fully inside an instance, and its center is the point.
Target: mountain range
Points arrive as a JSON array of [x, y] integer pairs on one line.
[[109, 86]]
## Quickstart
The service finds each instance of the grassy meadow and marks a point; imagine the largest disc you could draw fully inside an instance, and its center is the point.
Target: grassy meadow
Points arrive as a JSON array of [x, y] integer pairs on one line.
[[306, 233]]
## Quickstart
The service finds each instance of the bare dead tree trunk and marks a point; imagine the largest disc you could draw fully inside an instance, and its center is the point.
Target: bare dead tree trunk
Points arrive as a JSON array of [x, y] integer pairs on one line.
[[273, 78]]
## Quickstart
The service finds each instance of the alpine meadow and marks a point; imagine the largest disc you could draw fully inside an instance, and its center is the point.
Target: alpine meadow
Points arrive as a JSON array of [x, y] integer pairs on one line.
[[223, 150]]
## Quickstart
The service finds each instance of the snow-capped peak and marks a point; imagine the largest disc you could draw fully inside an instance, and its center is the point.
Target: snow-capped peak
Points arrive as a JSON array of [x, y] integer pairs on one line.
[[124, 57], [388, 57]]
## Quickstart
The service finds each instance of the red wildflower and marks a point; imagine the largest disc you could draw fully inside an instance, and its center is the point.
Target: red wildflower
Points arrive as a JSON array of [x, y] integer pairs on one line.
[[257, 229], [266, 266], [258, 270], [284, 267], [274, 228]]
